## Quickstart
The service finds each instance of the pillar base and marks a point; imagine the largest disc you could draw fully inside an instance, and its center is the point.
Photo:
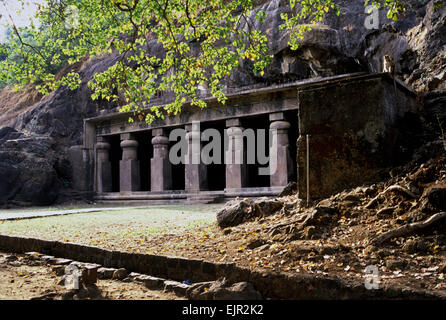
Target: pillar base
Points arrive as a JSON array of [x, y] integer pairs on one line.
[[104, 176], [194, 179], [129, 175], [236, 176], [161, 176]]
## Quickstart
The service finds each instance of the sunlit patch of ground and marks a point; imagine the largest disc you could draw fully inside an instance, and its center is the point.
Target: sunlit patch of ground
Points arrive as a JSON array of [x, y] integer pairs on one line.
[[126, 229], [18, 212]]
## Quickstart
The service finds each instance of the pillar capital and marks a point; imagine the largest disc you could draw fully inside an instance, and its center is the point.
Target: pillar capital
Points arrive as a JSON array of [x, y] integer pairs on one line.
[[234, 131], [129, 149], [276, 116], [235, 122], [125, 144], [195, 126], [102, 145], [193, 135], [160, 140], [158, 132], [280, 125], [127, 136]]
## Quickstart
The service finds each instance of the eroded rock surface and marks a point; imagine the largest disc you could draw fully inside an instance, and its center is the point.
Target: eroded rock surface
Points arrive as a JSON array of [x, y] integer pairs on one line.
[[222, 290], [339, 45]]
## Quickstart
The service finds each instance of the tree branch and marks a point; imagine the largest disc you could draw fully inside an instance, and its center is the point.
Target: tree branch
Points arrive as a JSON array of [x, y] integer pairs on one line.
[[408, 229]]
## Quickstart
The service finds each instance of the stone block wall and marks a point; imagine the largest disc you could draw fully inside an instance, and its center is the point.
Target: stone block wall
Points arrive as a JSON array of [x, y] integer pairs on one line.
[[353, 128], [82, 162]]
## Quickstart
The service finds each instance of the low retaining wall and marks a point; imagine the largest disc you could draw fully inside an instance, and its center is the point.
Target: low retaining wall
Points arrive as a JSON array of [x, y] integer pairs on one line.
[[270, 284]]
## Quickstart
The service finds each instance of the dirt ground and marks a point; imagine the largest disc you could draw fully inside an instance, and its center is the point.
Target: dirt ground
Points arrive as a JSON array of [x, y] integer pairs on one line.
[[334, 237], [20, 281], [126, 228], [338, 240]]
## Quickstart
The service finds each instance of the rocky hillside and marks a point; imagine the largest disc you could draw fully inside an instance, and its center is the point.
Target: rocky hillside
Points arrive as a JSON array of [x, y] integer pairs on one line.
[[34, 165]]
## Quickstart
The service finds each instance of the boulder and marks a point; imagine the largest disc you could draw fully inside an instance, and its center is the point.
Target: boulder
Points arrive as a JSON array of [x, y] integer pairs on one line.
[[289, 190], [106, 273], [437, 198], [234, 213], [6, 133], [120, 274], [222, 290], [394, 264], [266, 206], [27, 171], [238, 211], [176, 287], [415, 246], [320, 215]]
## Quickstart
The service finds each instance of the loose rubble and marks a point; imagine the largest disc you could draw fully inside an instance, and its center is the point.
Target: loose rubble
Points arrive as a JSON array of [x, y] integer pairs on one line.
[[34, 276]]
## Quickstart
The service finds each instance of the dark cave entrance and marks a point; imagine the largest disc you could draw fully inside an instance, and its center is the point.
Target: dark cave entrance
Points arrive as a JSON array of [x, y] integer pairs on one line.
[[216, 172], [115, 157], [178, 170], [145, 154], [252, 149]]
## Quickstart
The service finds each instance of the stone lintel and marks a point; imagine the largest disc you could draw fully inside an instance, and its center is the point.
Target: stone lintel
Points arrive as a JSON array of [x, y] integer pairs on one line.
[[101, 139], [158, 132], [236, 122], [127, 136], [277, 116], [189, 127]]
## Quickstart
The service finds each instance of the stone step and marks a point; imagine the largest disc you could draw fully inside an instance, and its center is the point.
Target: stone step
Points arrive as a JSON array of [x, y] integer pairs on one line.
[[204, 199]]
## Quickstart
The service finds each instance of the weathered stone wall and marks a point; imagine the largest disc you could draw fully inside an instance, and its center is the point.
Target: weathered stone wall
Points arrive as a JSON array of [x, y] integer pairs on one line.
[[353, 131], [82, 164], [339, 45]]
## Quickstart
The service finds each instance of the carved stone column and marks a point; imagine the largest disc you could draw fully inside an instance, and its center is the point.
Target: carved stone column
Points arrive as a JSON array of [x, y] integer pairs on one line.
[[104, 171], [280, 159], [195, 171], [129, 165], [160, 166], [236, 170]]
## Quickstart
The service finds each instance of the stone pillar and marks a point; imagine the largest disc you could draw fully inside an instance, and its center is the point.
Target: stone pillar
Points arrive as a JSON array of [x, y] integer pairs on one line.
[[236, 170], [160, 166], [280, 157], [195, 171], [104, 171], [129, 165]]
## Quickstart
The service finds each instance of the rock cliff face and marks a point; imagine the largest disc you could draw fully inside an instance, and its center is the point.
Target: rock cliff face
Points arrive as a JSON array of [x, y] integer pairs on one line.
[[34, 160], [34, 164]]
